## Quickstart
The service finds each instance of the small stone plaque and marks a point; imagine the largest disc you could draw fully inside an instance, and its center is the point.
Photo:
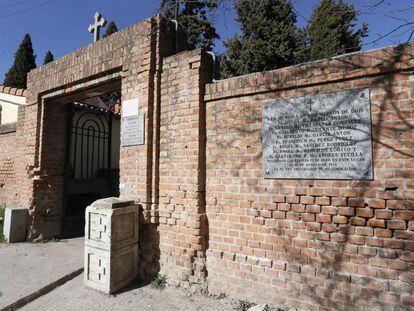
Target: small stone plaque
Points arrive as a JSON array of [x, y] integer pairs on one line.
[[318, 137], [130, 108], [132, 131]]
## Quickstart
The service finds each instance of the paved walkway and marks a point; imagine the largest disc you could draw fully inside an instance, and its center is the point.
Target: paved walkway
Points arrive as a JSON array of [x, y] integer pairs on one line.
[[75, 296], [48, 276], [27, 268]]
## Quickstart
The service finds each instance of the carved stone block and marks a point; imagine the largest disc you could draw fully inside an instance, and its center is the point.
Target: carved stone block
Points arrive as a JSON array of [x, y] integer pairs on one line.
[[111, 244]]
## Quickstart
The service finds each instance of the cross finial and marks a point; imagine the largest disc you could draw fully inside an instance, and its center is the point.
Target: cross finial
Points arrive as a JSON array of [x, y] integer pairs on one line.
[[95, 28]]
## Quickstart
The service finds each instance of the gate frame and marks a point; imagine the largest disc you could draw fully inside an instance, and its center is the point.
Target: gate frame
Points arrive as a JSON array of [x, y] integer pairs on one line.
[[132, 56]]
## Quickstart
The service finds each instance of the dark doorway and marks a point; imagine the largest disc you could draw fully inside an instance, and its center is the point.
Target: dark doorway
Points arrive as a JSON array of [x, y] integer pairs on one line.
[[92, 161]]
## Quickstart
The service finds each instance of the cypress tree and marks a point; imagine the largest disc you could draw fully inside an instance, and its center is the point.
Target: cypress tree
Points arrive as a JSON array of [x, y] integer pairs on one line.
[[24, 61], [110, 29], [331, 30], [194, 20], [48, 58], [268, 39]]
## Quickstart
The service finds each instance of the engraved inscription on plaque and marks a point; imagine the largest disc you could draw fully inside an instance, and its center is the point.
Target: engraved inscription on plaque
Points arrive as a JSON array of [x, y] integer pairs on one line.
[[132, 129], [132, 124], [318, 137]]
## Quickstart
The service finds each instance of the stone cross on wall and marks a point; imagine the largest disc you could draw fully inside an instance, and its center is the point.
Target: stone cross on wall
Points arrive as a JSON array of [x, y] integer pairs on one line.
[[96, 27]]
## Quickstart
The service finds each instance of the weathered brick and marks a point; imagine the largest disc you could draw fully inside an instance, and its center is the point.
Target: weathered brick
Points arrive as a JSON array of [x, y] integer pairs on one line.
[[376, 223], [364, 212], [307, 200], [323, 200], [404, 215], [376, 203], [364, 231], [357, 221], [346, 211], [356, 202], [383, 214], [339, 219], [396, 224]]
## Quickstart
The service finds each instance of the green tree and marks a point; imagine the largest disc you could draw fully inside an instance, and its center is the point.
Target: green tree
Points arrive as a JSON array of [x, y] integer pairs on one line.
[[194, 20], [24, 61], [332, 31], [269, 38], [110, 29], [48, 58]]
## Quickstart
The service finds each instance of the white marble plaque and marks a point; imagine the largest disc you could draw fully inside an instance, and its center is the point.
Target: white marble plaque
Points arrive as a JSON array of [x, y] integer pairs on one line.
[[130, 107], [318, 137], [132, 131]]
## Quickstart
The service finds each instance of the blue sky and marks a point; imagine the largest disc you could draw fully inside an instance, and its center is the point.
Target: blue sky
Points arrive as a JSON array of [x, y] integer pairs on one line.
[[61, 25]]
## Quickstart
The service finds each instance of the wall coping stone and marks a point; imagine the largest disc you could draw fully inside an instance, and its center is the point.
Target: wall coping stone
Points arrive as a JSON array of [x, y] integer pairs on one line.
[[8, 128], [342, 67]]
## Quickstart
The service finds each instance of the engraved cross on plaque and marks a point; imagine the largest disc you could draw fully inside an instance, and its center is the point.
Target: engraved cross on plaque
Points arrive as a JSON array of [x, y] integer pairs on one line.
[[101, 271], [96, 27], [101, 227], [310, 102]]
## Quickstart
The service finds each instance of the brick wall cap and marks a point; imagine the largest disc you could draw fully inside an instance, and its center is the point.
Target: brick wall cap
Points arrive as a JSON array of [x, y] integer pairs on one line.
[[13, 91], [337, 57]]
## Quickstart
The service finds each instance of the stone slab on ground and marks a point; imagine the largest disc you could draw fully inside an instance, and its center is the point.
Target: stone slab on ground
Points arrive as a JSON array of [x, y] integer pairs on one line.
[[15, 224], [26, 268], [75, 296]]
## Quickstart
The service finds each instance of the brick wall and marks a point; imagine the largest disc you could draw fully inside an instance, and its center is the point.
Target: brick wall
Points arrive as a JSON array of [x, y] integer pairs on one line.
[[7, 167], [313, 244], [183, 227]]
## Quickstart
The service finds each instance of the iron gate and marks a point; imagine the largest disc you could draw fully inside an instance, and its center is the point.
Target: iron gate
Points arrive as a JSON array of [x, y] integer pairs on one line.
[[90, 175]]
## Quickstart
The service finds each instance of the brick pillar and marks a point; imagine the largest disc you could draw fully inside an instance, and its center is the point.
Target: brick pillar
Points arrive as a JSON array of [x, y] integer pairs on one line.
[[183, 222]]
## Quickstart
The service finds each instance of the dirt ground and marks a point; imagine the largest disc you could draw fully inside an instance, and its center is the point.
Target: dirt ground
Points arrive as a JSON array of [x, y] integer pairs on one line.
[[75, 296], [25, 268]]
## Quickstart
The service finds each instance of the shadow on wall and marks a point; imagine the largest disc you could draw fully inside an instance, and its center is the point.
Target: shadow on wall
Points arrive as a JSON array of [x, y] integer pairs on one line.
[[359, 252], [149, 250]]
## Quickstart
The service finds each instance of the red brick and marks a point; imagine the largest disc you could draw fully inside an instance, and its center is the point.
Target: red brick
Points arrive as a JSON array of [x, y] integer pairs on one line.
[[404, 215], [376, 203], [266, 214], [376, 223], [386, 253], [393, 243], [364, 212], [307, 200], [383, 214], [364, 231], [356, 202], [407, 277], [346, 211], [339, 201], [329, 228], [357, 221], [308, 217], [340, 220], [329, 210], [396, 224], [402, 234], [407, 299], [323, 218], [313, 226], [299, 208], [407, 256], [396, 204], [313, 209], [383, 233], [323, 200]]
